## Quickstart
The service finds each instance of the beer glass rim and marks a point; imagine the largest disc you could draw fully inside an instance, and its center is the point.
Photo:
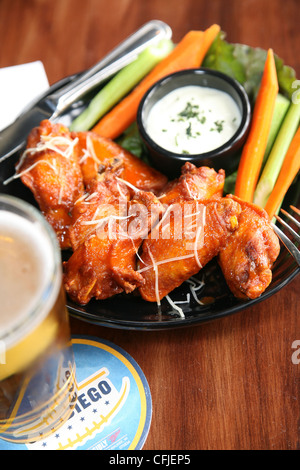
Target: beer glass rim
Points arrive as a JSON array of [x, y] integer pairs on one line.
[[53, 283]]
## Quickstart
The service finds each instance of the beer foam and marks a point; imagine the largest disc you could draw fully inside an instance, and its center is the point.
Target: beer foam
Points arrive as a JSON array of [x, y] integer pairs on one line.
[[26, 266]]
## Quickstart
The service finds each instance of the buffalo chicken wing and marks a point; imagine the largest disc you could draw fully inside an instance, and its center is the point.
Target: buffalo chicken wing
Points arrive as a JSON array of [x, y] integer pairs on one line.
[[248, 255], [99, 154], [204, 228], [106, 236], [50, 168], [194, 184]]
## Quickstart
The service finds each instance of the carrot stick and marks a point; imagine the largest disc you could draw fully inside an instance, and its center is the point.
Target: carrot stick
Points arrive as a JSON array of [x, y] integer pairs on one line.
[[189, 53], [254, 149], [289, 170], [209, 36]]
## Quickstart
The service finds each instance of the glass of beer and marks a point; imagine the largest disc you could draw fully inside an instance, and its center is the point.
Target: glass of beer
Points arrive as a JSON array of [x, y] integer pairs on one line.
[[37, 369]]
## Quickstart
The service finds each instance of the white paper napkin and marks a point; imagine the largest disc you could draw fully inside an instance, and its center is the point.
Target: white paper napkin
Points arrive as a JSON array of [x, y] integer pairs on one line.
[[19, 85]]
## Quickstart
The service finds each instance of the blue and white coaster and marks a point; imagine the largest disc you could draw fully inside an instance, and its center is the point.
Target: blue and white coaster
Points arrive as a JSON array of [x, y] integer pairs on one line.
[[114, 406]]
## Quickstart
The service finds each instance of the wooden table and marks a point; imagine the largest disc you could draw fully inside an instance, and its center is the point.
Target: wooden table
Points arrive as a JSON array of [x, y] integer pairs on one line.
[[228, 384]]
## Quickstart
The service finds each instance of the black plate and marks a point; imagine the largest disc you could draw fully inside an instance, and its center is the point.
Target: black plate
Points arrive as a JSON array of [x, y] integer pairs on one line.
[[131, 312]]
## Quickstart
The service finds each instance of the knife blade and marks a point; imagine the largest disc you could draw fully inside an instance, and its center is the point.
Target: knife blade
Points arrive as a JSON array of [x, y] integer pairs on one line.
[[52, 104]]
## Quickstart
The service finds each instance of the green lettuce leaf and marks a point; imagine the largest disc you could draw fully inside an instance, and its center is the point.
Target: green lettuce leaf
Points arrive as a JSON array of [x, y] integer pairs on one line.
[[131, 140], [246, 64]]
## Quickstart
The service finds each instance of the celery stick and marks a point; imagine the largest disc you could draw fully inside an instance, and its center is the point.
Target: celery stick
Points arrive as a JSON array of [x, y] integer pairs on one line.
[[273, 165], [121, 84], [281, 106]]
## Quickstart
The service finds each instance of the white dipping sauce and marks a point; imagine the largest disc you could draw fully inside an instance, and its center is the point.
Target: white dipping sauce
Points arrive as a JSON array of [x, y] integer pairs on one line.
[[193, 119]]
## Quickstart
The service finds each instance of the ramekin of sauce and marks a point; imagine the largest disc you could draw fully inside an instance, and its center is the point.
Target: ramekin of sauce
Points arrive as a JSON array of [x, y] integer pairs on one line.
[[196, 115]]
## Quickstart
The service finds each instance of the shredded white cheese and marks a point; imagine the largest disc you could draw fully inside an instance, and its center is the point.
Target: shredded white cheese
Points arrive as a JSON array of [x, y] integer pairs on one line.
[[156, 277], [128, 184], [18, 175], [175, 306], [59, 144]]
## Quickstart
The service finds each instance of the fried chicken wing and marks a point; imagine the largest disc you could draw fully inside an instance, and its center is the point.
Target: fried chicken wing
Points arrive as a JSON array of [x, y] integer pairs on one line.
[[190, 233], [194, 183], [99, 154], [87, 273], [143, 212], [50, 168], [247, 258], [108, 198], [106, 237], [178, 249]]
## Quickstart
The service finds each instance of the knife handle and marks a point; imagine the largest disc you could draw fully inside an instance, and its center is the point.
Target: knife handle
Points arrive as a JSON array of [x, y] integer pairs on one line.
[[122, 55]]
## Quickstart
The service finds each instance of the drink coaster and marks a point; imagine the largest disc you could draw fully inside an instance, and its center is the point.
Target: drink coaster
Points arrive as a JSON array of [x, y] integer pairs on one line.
[[114, 406]]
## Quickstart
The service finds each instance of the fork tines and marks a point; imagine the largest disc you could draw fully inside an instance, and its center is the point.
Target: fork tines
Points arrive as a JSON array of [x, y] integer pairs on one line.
[[295, 209], [289, 244], [292, 219]]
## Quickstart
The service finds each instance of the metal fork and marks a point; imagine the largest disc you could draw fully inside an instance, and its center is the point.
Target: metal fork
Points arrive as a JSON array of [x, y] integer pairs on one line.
[[290, 246]]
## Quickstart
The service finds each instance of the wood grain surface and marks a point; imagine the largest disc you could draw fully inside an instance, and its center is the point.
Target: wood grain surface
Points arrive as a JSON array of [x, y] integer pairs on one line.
[[230, 384]]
